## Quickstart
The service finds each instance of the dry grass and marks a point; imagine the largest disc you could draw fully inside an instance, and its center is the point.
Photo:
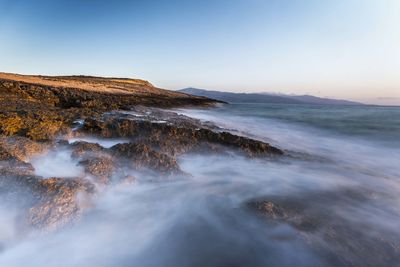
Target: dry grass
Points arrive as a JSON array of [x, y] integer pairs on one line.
[[95, 84]]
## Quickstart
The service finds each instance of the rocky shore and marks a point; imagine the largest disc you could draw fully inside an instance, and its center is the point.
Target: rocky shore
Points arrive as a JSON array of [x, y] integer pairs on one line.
[[42, 114], [122, 134]]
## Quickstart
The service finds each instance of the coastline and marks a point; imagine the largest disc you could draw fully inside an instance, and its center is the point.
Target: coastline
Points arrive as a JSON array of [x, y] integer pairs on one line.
[[38, 119], [73, 162]]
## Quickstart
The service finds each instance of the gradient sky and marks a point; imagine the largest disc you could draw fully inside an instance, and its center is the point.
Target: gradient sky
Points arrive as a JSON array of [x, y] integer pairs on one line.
[[336, 48]]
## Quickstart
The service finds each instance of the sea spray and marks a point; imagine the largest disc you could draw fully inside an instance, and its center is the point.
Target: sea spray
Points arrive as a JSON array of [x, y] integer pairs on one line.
[[339, 194]]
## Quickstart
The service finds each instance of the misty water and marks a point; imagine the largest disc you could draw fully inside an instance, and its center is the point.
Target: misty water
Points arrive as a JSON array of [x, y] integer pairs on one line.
[[342, 168]]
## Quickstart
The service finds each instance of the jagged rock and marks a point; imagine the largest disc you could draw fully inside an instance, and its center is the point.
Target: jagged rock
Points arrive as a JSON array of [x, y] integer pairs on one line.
[[140, 156], [104, 163], [100, 167], [12, 164], [173, 139], [269, 209], [83, 149], [292, 212], [23, 148], [37, 108], [95, 159], [38, 125], [16, 166], [61, 201], [45, 203], [41, 108]]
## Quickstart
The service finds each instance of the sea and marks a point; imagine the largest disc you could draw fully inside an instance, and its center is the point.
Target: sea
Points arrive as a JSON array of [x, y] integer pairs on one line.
[[338, 186]]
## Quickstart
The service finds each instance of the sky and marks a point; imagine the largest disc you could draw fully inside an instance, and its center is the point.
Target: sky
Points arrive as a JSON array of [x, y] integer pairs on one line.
[[330, 48]]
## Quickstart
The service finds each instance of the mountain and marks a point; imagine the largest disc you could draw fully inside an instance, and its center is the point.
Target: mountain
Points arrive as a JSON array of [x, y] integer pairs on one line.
[[309, 99], [266, 98], [241, 97]]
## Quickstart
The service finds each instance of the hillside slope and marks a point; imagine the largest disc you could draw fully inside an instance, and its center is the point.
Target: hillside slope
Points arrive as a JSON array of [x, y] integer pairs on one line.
[[40, 107], [96, 86]]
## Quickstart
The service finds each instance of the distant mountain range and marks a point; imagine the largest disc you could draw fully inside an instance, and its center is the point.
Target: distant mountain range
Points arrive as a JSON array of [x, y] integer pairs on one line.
[[266, 98]]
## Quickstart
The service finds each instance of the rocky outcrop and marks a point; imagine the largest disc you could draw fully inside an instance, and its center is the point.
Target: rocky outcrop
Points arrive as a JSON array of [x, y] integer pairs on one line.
[[37, 111], [11, 164], [140, 156], [34, 120], [103, 163], [94, 92], [170, 137], [12, 158], [41, 108], [44, 203], [23, 148], [268, 209], [60, 201], [100, 167]]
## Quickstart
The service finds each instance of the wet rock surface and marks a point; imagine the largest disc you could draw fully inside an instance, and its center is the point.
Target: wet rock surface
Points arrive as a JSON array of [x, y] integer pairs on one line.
[[23, 148], [174, 134], [61, 201], [141, 156], [44, 203], [100, 167], [104, 163]]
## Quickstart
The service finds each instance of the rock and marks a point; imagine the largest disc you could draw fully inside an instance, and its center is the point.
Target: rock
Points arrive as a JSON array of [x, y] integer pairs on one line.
[[268, 209], [61, 201], [94, 92], [100, 167], [140, 156], [41, 108], [95, 159], [16, 167], [23, 148], [172, 139], [11, 164], [46, 204], [85, 149], [5, 155], [38, 125], [289, 211], [35, 110], [10, 125]]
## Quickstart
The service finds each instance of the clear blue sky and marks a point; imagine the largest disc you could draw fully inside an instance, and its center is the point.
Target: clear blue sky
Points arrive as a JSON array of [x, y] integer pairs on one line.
[[338, 48]]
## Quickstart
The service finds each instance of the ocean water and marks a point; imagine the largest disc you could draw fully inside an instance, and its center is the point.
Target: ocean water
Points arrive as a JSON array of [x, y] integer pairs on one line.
[[373, 123], [341, 176]]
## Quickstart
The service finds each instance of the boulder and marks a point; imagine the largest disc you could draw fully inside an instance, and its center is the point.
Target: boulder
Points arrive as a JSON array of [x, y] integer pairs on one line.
[[46, 204], [102, 168], [140, 156]]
